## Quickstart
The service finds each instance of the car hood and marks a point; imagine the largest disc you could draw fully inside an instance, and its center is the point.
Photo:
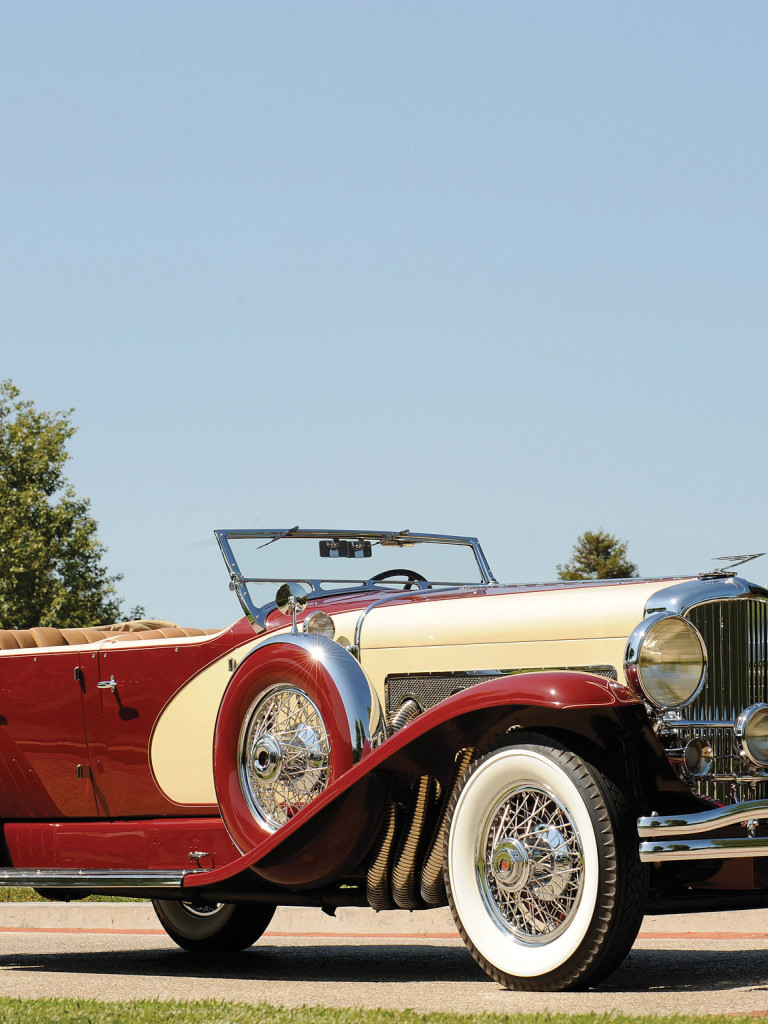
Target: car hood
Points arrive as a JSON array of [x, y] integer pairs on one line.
[[510, 614]]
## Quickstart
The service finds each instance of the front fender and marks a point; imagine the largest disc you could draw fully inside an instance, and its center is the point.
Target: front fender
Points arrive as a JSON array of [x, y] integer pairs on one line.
[[591, 709]]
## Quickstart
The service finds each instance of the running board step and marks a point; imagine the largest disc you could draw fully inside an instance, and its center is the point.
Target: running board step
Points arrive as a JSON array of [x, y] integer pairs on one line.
[[43, 878]]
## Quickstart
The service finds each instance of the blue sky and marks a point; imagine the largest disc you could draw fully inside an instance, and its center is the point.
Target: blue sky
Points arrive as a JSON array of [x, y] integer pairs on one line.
[[495, 268]]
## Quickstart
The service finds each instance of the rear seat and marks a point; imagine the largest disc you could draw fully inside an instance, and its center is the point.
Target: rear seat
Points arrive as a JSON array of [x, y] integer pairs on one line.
[[169, 632], [48, 636]]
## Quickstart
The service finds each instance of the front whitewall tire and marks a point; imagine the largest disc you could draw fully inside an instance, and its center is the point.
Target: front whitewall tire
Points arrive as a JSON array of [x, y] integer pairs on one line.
[[534, 852]]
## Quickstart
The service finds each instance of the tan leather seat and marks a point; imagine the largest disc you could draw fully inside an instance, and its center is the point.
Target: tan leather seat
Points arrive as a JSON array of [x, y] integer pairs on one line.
[[13, 639], [48, 636], [163, 633], [82, 636]]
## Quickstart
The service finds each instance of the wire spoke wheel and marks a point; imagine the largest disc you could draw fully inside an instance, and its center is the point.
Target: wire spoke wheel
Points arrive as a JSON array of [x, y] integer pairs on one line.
[[530, 863], [284, 754]]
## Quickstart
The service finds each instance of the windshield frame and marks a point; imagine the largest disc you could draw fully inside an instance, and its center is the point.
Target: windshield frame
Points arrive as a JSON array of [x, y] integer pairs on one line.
[[399, 538]]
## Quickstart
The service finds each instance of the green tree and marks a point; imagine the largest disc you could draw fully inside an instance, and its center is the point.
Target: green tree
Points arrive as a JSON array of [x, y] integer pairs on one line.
[[51, 571], [598, 556]]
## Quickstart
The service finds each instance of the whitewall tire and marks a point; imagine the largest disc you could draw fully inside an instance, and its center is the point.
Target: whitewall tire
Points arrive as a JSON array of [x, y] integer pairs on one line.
[[543, 879]]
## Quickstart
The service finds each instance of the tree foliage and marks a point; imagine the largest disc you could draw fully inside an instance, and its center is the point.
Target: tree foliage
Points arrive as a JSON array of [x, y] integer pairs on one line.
[[51, 571], [598, 556]]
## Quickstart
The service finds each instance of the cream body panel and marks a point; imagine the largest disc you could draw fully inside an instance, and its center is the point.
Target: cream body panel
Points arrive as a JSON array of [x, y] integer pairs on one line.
[[379, 664], [578, 613], [181, 747]]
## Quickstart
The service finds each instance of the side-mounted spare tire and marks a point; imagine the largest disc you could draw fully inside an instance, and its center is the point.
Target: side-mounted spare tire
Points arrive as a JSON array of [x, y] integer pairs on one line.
[[298, 713]]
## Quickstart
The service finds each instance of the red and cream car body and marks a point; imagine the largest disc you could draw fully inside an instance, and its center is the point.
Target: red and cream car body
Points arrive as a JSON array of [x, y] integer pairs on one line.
[[553, 761]]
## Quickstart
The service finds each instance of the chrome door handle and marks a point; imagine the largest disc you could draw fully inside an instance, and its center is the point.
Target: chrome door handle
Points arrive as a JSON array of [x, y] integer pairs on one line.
[[107, 684]]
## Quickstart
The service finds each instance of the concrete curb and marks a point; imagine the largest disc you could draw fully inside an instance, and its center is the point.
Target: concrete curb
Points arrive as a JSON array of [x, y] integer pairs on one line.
[[349, 921]]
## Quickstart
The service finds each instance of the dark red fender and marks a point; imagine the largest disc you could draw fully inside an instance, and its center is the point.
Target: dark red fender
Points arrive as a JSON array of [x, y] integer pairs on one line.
[[473, 715]]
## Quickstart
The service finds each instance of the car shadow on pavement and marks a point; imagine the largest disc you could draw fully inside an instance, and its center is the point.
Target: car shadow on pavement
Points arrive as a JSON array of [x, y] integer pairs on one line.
[[690, 970], [336, 963], [658, 970]]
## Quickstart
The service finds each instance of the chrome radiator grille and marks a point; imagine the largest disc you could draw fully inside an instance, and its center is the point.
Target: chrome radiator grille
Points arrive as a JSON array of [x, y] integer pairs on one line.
[[736, 637]]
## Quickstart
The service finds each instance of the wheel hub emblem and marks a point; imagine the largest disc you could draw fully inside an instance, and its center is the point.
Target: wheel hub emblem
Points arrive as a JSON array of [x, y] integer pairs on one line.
[[510, 865]]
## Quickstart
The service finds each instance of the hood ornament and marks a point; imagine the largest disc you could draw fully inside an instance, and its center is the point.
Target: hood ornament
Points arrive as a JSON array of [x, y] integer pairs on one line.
[[733, 561]]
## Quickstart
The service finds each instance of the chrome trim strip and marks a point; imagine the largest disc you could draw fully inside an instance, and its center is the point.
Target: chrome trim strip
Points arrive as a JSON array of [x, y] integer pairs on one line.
[[43, 878], [704, 821], [704, 849], [696, 723]]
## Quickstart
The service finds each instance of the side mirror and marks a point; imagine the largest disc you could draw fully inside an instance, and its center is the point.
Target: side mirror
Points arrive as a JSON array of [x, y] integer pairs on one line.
[[291, 598]]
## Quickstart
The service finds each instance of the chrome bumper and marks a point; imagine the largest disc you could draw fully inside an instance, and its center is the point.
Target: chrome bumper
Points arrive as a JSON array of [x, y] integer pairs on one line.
[[681, 827]]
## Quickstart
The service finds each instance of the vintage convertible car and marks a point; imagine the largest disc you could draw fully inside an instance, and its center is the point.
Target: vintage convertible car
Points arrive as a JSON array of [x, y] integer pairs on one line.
[[397, 730]]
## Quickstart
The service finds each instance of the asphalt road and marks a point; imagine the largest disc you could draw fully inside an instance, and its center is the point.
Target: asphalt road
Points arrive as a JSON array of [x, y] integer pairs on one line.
[[663, 974]]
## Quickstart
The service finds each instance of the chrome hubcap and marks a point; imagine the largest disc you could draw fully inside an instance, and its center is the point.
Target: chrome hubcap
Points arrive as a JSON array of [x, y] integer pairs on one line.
[[510, 865], [266, 758]]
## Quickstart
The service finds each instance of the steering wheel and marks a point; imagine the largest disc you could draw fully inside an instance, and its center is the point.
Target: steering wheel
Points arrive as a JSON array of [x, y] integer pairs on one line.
[[411, 577]]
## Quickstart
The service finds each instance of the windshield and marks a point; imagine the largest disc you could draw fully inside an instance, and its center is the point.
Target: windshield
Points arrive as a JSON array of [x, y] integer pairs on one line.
[[328, 561]]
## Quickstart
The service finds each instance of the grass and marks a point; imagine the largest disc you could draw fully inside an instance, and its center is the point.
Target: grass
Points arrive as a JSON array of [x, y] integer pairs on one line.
[[14, 894], [153, 1011]]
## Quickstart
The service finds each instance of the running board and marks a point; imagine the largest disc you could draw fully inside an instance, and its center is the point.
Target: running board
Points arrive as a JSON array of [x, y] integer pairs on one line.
[[43, 878]]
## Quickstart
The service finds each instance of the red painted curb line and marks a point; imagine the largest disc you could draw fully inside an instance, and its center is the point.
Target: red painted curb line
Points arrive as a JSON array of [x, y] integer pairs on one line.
[[266, 935], [703, 935], [89, 931], [723, 936]]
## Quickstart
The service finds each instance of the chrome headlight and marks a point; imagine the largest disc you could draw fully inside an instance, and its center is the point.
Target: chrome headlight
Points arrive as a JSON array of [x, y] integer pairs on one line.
[[752, 733], [320, 624], [667, 660]]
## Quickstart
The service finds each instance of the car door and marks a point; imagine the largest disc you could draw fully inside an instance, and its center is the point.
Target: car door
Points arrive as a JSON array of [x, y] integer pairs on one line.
[[44, 763], [138, 678]]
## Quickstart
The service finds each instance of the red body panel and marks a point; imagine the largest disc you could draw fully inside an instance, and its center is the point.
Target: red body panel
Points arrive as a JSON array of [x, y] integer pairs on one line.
[[43, 738], [151, 845], [147, 678], [69, 750], [167, 843]]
